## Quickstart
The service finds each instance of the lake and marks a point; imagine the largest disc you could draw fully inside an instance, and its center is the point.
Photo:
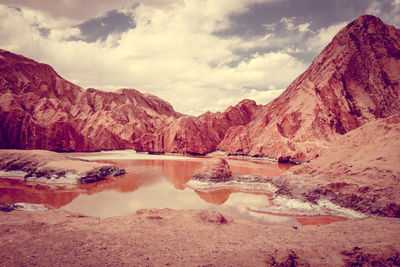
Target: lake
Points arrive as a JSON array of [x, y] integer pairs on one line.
[[158, 181]]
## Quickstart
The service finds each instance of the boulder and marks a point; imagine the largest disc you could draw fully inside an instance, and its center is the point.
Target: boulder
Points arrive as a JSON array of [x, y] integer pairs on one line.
[[214, 170]]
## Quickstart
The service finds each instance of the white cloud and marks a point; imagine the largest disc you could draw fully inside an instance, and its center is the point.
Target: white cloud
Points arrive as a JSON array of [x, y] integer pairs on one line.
[[305, 27], [324, 36], [289, 23], [270, 26], [172, 53], [291, 26], [389, 16]]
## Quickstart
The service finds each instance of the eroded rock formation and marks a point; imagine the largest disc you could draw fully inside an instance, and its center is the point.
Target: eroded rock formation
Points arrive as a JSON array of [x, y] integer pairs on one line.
[[197, 135], [41, 110], [355, 80]]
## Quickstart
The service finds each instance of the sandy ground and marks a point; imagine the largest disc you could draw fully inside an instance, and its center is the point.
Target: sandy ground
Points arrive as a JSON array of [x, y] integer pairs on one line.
[[190, 238]]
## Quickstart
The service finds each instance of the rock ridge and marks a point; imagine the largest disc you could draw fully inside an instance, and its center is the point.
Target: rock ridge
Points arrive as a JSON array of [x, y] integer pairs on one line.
[[353, 81], [41, 110]]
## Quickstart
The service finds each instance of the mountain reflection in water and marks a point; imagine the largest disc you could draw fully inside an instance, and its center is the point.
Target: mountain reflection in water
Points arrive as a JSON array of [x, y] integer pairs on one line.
[[147, 184]]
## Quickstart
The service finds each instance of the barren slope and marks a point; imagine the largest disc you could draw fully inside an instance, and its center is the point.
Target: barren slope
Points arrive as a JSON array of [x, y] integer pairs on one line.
[[41, 110], [355, 80], [360, 170]]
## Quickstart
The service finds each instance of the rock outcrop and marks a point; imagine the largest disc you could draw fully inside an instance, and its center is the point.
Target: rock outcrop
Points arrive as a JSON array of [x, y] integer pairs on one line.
[[41, 110], [214, 170], [47, 166], [355, 80]]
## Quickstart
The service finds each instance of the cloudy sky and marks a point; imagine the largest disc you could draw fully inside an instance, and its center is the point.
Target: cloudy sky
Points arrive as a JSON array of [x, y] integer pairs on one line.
[[198, 55]]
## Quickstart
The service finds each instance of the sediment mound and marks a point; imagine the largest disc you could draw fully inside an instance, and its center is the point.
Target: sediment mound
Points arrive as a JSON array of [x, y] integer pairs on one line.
[[47, 166], [360, 171]]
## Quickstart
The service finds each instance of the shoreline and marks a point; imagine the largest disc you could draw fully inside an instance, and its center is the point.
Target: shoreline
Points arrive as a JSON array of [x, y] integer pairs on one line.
[[51, 167]]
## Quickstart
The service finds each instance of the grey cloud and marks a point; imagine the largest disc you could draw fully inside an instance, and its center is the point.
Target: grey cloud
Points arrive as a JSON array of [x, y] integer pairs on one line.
[[114, 22], [42, 30], [266, 18], [82, 10], [16, 8], [282, 38], [320, 13]]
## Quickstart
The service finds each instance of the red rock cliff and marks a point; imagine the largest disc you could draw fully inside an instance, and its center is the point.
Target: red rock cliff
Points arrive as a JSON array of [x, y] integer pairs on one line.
[[41, 110], [197, 135]]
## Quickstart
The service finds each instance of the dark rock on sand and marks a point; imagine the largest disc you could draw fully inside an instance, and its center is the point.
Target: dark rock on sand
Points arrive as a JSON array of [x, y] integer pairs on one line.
[[98, 174], [9, 207]]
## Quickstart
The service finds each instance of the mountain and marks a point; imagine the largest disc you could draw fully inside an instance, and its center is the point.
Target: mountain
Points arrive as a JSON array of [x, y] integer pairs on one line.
[[197, 135], [41, 110], [354, 80]]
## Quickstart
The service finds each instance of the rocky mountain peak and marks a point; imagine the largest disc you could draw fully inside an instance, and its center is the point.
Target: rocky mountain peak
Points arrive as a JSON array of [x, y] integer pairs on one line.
[[366, 22], [353, 81]]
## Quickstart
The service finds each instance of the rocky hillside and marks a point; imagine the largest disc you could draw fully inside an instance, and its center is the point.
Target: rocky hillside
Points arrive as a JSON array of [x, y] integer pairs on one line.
[[41, 110], [197, 135], [360, 171], [355, 79]]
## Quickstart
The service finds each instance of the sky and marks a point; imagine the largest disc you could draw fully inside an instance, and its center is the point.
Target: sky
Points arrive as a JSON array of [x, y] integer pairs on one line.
[[199, 55]]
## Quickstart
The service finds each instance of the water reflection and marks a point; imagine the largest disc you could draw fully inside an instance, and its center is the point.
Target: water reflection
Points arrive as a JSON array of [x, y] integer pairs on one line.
[[16, 191], [152, 183]]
